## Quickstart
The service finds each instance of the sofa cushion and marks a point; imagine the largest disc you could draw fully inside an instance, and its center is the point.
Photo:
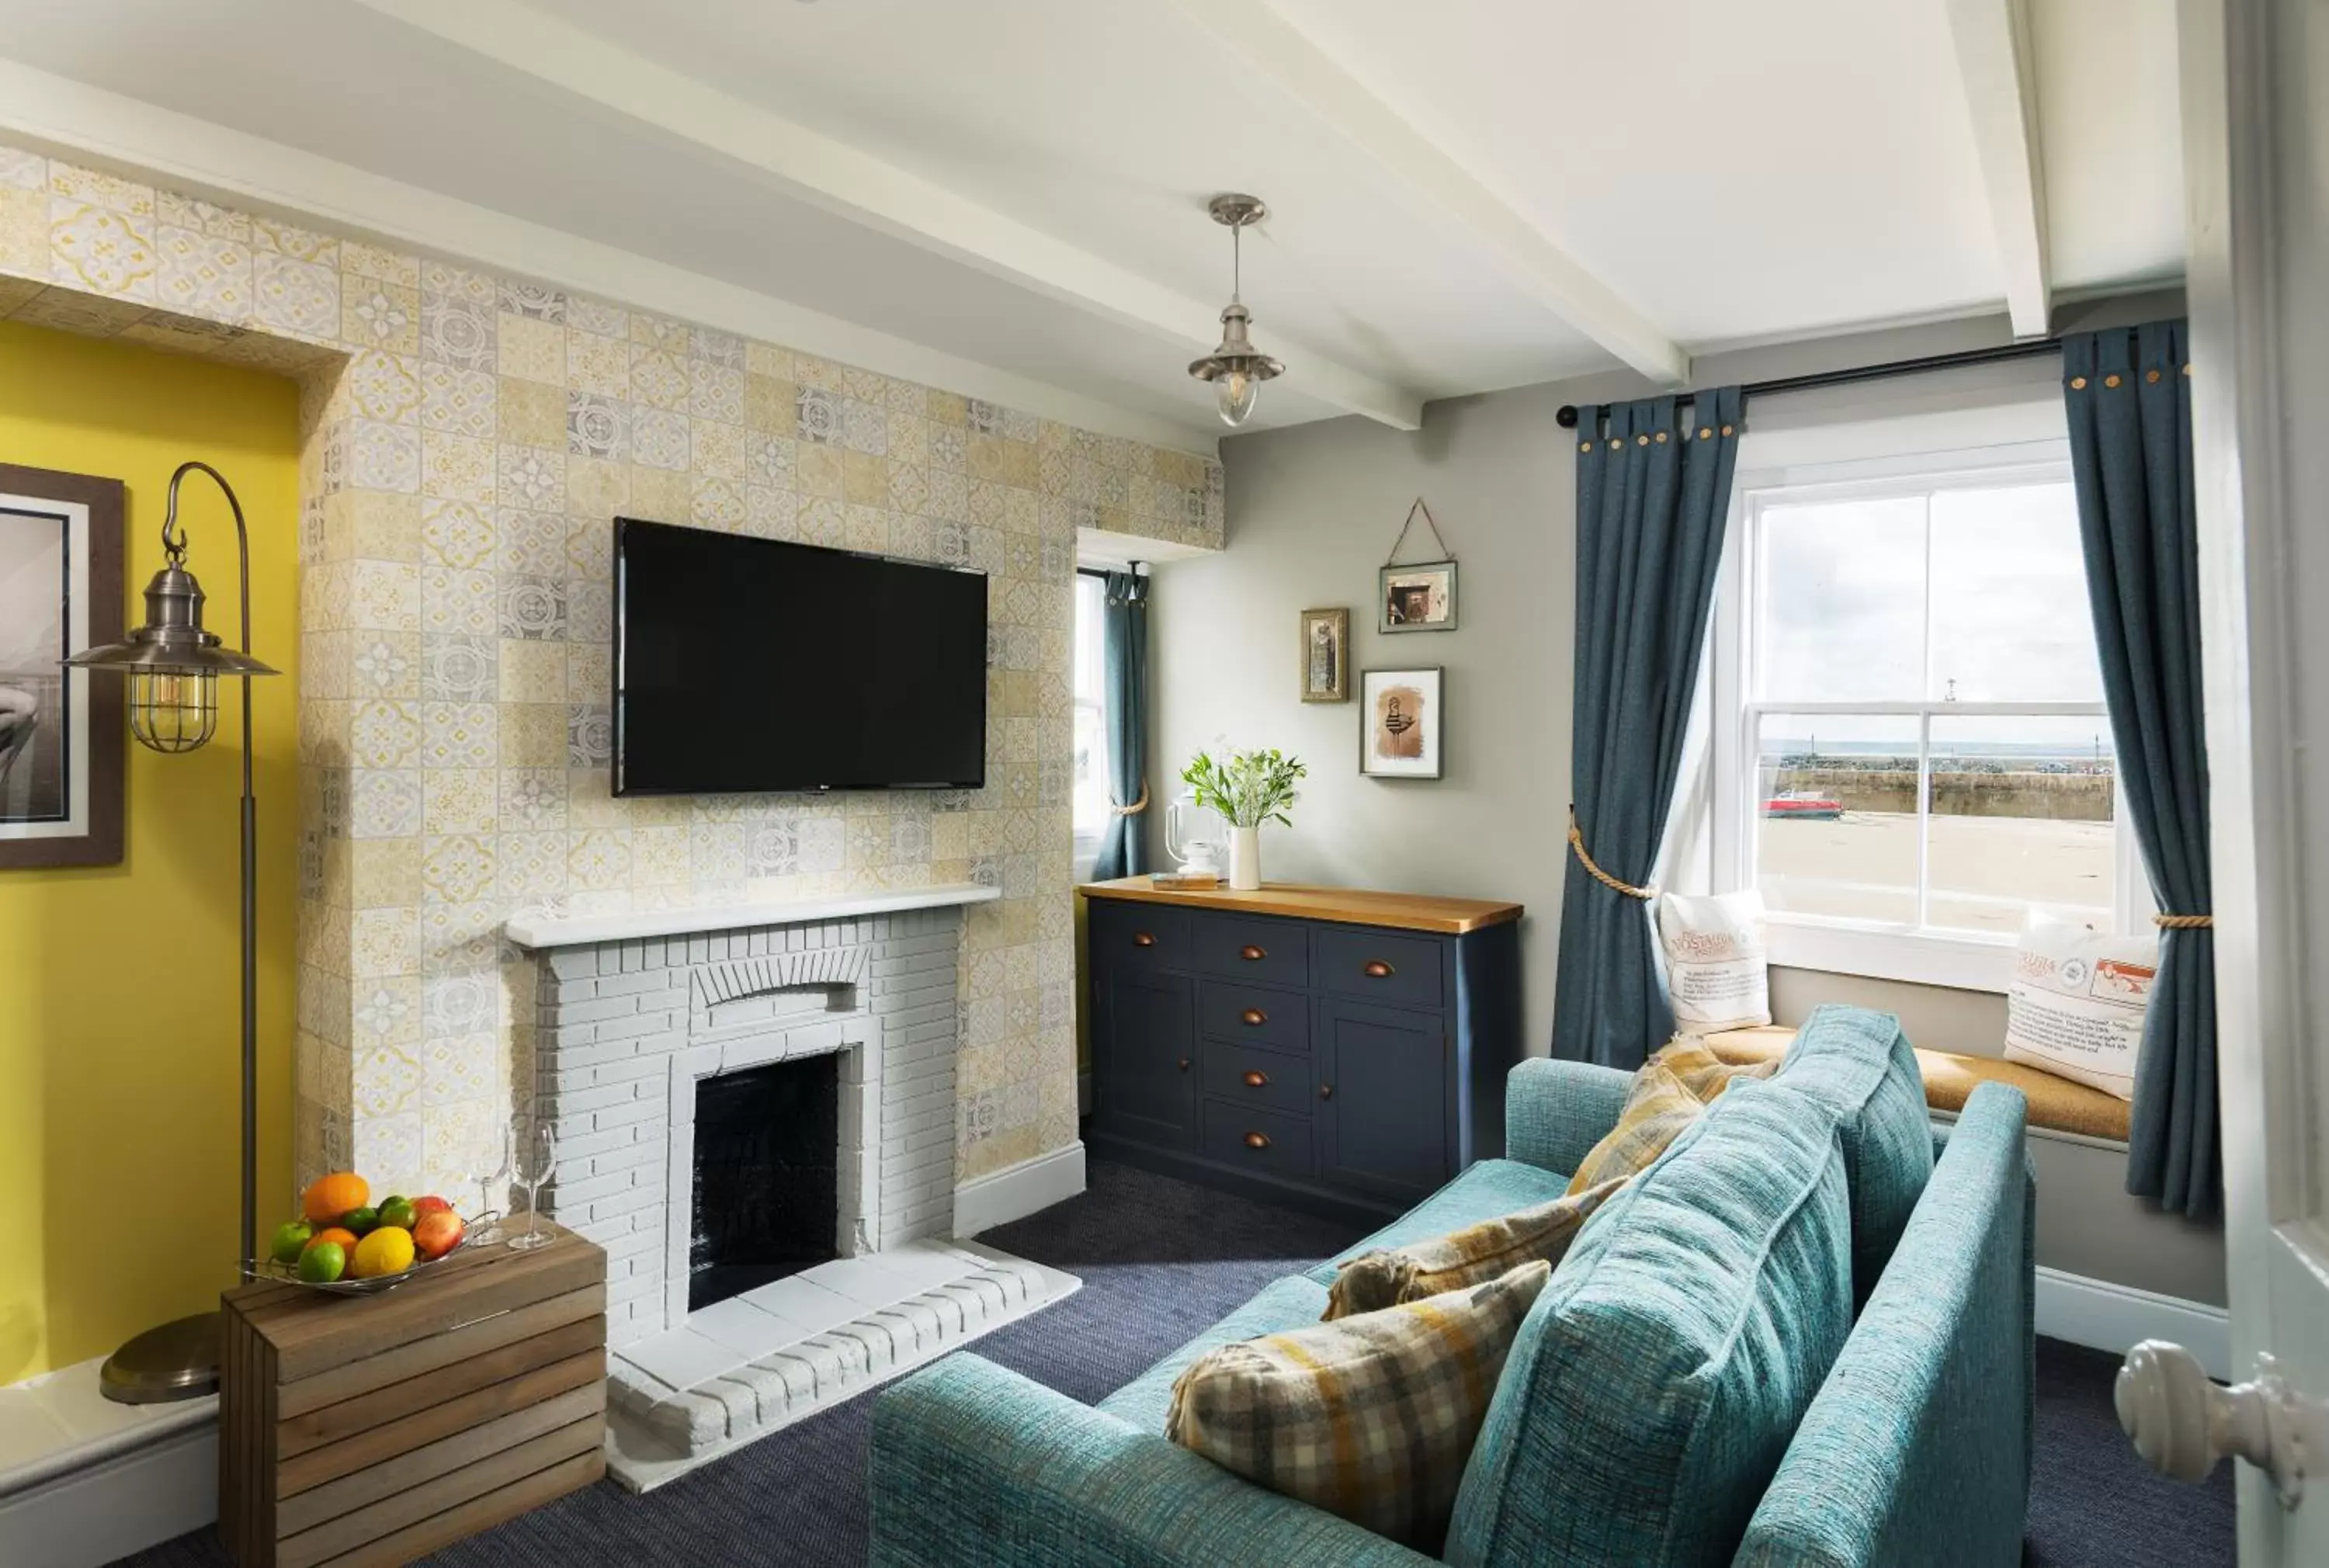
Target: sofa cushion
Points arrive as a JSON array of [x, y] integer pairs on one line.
[[1295, 1301], [1485, 1190], [1479, 1253], [1860, 1065], [1657, 1381], [1369, 1417]]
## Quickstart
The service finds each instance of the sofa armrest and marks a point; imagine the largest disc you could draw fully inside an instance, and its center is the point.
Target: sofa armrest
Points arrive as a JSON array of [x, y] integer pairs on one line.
[[1916, 1451], [974, 1464], [1555, 1112]]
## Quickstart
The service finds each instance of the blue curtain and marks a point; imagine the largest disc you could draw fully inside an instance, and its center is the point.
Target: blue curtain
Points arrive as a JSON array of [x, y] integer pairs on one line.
[[2130, 409], [1653, 495], [1124, 626]]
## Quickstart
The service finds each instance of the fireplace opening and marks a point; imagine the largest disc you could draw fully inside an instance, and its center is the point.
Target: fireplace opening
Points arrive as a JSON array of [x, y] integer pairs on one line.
[[768, 1177]]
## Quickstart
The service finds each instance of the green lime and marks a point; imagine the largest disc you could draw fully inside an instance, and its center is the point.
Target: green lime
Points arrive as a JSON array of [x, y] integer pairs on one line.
[[361, 1220], [398, 1212], [323, 1262], [289, 1239]]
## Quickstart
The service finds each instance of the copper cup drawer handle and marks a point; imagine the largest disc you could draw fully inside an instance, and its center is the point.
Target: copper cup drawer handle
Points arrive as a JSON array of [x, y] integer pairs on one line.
[[1256, 1080], [1253, 1018], [1251, 953], [1376, 969], [1325, 1091], [1257, 1141], [1185, 1064], [1142, 939]]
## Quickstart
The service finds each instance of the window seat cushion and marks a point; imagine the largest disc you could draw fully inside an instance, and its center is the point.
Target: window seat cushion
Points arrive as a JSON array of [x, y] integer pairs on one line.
[[2056, 1105]]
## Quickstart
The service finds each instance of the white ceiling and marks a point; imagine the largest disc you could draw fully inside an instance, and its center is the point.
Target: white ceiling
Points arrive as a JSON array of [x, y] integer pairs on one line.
[[1021, 183]]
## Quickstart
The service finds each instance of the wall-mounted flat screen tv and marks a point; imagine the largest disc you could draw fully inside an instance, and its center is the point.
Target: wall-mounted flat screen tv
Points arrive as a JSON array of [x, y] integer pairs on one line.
[[746, 664]]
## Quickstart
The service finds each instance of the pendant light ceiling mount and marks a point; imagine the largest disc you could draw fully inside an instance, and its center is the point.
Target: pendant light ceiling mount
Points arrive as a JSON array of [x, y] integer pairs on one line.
[[1236, 368]]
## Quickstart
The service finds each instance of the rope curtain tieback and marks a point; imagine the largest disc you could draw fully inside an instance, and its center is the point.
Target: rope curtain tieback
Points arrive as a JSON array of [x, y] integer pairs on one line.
[[1576, 843], [1136, 807], [2183, 922]]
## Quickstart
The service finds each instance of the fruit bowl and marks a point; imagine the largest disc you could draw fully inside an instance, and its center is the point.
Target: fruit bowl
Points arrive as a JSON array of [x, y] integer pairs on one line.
[[480, 1232]]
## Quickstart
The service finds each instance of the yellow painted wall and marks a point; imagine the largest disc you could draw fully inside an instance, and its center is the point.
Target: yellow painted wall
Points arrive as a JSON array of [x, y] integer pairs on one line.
[[119, 1132]]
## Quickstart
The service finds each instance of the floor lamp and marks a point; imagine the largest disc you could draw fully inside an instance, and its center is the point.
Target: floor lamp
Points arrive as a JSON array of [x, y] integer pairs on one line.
[[174, 666]]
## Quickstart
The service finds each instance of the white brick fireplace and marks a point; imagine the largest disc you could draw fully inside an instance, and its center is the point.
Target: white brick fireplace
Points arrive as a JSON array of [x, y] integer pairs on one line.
[[633, 1011]]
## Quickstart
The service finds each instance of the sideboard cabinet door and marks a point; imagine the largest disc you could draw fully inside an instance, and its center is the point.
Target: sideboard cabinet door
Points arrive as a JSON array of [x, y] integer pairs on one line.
[[1147, 1039], [1382, 1105]]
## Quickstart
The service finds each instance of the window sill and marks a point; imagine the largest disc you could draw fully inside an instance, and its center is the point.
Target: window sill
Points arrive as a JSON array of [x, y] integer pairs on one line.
[[1957, 962]]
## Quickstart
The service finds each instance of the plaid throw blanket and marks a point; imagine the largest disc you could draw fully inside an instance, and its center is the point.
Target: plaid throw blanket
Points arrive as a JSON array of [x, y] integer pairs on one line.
[[1372, 1417]]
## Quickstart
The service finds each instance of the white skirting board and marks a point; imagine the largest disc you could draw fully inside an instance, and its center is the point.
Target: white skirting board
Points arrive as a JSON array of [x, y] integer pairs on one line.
[[118, 1505], [2116, 1318], [1016, 1191]]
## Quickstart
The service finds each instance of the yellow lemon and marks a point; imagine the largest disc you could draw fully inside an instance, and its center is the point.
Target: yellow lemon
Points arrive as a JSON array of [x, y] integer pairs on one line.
[[386, 1250]]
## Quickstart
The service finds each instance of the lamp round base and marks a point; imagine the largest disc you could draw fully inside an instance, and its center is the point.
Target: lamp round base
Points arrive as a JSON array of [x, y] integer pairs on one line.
[[177, 1360]]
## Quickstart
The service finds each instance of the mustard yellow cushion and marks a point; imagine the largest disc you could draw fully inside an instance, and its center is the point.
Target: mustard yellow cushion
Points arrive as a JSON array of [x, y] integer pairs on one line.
[[1372, 1417], [1471, 1256]]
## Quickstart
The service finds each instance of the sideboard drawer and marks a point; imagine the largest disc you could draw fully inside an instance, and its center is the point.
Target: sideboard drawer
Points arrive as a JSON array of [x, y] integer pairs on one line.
[[1268, 1142], [1277, 951], [1251, 1015], [1378, 966], [1268, 1079], [1140, 936]]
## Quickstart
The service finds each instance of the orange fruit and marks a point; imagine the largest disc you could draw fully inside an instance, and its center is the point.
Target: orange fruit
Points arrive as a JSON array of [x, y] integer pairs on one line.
[[386, 1250], [329, 1197], [344, 1239]]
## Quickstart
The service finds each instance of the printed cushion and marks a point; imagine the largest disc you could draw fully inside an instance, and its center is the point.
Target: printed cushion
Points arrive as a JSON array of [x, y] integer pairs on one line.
[[1860, 1065], [1484, 1189], [1669, 1092], [1661, 1376], [1471, 1256], [1370, 1417]]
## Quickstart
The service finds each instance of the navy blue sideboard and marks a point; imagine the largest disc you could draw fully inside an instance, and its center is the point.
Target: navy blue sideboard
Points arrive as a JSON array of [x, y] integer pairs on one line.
[[1337, 1050]]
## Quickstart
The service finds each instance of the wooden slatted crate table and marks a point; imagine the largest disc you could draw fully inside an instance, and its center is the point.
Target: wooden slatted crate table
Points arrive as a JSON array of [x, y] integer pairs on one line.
[[361, 1430]]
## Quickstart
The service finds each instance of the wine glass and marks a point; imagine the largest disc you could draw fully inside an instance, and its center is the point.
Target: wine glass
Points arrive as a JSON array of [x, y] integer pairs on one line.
[[537, 1163], [490, 1180]]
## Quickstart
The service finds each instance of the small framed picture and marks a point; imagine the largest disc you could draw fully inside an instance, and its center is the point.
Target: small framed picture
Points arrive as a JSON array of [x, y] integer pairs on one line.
[[1420, 596], [1325, 655], [62, 730], [1403, 731]]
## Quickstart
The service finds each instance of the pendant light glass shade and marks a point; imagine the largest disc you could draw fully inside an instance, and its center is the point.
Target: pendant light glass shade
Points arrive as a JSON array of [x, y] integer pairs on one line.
[[1235, 368]]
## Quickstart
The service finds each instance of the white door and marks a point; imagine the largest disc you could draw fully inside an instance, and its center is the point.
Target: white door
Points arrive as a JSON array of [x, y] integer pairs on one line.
[[2255, 77]]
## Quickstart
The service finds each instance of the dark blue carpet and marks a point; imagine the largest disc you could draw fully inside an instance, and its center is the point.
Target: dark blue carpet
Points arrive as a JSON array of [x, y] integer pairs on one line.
[[1160, 1260]]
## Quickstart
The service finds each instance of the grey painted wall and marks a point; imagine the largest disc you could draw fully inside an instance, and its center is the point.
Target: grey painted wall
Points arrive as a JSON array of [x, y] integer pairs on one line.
[[1312, 513]]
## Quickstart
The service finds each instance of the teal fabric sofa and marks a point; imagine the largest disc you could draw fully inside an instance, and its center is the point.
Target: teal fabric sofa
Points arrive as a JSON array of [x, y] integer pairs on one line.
[[1803, 1336]]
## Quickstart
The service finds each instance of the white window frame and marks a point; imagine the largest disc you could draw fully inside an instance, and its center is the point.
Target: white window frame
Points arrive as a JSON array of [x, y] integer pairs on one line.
[[1084, 852], [1968, 960]]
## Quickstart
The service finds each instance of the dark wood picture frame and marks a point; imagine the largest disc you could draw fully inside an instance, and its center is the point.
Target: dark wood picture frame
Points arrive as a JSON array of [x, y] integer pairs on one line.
[[106, 710]]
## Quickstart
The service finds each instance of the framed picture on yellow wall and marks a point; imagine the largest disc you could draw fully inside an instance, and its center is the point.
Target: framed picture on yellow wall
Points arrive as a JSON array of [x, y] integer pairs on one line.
[[60, 732]]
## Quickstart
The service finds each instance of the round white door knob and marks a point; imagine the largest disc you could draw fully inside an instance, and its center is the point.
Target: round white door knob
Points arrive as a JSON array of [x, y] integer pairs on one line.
[[2183, 1424]]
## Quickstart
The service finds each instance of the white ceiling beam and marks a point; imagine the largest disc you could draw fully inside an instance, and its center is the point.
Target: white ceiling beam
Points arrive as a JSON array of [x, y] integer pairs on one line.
[[2001, 90], [1286, 55], [842, 179], [84, 123]]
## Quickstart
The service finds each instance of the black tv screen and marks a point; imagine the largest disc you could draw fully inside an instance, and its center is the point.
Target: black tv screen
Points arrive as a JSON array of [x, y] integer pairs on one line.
[[745, 664]]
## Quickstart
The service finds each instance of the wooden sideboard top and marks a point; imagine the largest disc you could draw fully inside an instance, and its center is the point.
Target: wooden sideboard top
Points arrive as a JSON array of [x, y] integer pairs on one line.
[[1349, 906]]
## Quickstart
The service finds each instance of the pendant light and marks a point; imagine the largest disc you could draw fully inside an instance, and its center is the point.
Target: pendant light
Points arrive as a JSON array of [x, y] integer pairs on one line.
[[1236, 368]]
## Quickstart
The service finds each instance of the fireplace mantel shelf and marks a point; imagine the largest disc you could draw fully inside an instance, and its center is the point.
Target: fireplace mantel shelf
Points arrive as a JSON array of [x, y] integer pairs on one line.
[[543, 931]]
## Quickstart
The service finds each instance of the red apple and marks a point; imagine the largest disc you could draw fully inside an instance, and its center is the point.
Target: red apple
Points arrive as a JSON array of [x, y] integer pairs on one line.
[[423, 1207], [437, 1233]]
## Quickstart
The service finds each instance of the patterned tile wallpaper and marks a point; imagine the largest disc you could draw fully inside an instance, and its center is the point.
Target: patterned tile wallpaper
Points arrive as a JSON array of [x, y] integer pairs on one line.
[[468, 439]]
